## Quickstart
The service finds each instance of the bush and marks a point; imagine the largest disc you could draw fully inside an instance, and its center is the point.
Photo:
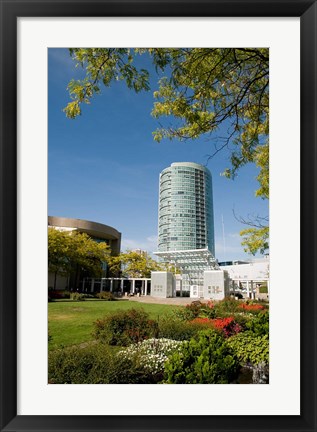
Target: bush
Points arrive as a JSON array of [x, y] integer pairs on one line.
[[125, 327], [104, 295], [189, 312], [96, 364], [250, 348], [206, 360], [259, 324], [76, 296], [58, 294], [227, 306], [208, 310], [171, 327]]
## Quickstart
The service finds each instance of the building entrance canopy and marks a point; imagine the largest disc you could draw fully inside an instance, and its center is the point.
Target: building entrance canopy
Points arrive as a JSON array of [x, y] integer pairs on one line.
[[190, 261]]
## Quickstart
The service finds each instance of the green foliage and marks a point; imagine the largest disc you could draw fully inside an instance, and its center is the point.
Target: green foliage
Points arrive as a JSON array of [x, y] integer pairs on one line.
[[105, 295], [133, 264], [95, 364], [194, 310], [255, 239], [205, 360], [69, 249], [125, 327], [172, 327], [259, 324], [227, 306], [60, 252], [102, 65], [205, 88], [250, 348]]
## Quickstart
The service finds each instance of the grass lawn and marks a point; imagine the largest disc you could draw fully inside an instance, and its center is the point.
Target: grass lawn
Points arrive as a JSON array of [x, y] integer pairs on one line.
[[71, 323]]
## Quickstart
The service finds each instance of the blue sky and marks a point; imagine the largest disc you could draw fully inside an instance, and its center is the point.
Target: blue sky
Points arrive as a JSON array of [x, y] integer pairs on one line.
[[104, 166]]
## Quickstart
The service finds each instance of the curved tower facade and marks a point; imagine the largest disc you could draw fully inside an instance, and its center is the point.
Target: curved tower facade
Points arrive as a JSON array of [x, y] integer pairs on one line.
[[186, 208]]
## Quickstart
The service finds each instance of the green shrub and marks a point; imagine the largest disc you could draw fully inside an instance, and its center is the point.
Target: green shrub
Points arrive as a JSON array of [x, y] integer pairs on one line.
[[189, 312], [259, 323], [125, 327], [171, 327], [250, 348], [208, 310], [225, 307], [77, 296], [205, 360], [242, 319], [105, 295], [95, 364]]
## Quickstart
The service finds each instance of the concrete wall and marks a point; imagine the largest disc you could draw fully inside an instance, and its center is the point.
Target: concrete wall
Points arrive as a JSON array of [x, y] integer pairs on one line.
[[93, 229], [252, 271], [216, 284], [162, 284]]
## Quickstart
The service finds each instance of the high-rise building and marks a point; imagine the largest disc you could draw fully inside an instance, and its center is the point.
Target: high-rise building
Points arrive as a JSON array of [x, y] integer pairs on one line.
[[186, 219]]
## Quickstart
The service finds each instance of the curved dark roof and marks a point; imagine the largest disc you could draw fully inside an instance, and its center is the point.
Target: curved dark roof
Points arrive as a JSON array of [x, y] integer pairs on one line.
[[92, 228]]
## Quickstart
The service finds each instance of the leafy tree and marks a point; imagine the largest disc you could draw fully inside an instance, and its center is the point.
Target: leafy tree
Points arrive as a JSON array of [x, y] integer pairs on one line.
[[205, 88], [59, 253], [70, 250], [133, 264]]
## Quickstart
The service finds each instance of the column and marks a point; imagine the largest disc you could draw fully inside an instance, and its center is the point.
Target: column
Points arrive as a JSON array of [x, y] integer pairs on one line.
[[145, 287], [133, 286], [248, 290], [92, 285], [83, 286], [101, 284], [252, 293], [121, 285], [111, 285]]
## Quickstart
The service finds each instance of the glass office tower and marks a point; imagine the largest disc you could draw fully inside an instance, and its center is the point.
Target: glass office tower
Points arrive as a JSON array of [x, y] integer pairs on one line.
[[186, 208]]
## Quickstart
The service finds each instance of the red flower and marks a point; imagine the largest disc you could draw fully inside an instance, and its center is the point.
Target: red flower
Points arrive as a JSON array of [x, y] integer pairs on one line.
[[227, 325], [250, 307]]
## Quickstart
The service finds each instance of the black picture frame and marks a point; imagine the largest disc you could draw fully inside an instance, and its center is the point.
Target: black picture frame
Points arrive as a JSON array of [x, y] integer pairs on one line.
[[10, 11]]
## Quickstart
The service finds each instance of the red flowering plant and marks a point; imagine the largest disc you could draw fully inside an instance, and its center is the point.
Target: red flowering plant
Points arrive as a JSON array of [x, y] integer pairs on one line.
[[228, 326], [251, 307]]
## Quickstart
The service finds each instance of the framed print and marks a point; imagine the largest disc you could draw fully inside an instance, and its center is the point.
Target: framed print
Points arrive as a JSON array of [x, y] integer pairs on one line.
[[28, 30]]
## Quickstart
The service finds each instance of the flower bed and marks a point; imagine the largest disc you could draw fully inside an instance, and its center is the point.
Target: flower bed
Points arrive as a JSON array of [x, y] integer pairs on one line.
[[151, 354], [227, 326]]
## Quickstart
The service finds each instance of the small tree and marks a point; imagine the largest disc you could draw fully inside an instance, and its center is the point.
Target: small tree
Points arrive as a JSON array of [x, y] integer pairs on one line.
[[134, 264], [59, 253], [71, 250]]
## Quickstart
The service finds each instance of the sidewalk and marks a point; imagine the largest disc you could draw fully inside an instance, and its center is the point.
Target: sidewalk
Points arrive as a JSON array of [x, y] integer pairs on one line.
[[180, 301]]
